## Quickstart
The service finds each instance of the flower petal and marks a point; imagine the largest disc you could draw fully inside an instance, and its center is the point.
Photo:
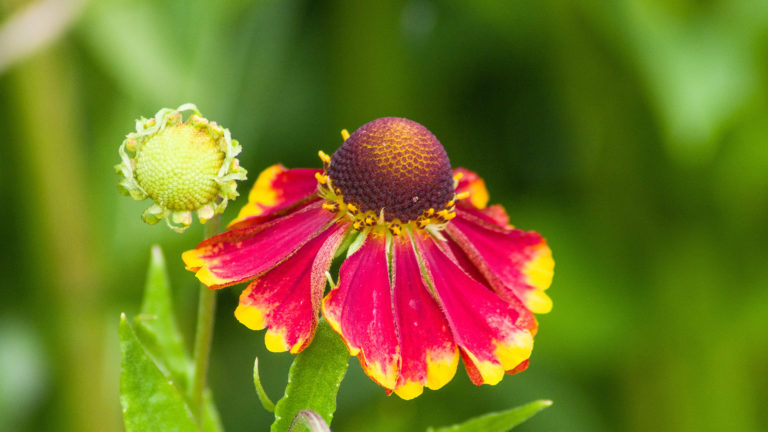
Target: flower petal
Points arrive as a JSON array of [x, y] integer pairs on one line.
[[515, 262], [492, 334], [360, 310], [478, 198], [474, 184], [238, 255], [276, 189], [429, 356], [287, 298]]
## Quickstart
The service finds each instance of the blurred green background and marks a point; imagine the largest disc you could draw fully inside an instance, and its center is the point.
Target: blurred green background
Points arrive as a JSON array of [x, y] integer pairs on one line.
[[632, 134]]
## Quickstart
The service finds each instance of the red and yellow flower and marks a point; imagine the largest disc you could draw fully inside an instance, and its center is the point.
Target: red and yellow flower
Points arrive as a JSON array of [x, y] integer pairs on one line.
[[431, 272]]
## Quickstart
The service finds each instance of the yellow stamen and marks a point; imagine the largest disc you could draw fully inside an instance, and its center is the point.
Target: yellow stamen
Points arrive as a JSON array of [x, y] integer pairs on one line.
[[324, 157], [345, 134], [422, 221], [331, 206]]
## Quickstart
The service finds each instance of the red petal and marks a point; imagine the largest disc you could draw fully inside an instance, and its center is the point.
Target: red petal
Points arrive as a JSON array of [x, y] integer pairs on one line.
[[478, 198], [287, 298], [490, 332], [516, 263], [429, 356], [461, 258], [473, 184], [360, 310], [239, 255], [276, 189]]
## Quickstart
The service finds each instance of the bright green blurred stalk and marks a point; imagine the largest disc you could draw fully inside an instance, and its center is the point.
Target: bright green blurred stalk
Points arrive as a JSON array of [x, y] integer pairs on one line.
[[54, 190]]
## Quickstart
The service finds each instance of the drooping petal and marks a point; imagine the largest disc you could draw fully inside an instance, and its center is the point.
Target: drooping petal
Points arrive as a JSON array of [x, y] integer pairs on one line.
[[428, 355], [287, 298], [360, 310], [473, 184], [515, 262], [457, 254], [454, 251], [276, 189], [491, 333], [239, 255]]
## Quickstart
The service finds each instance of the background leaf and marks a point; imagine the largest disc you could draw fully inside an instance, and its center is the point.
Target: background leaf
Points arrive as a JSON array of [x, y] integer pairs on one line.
[[156, 325], [158, 335], [314, 379], [149, 400], [499, 421]]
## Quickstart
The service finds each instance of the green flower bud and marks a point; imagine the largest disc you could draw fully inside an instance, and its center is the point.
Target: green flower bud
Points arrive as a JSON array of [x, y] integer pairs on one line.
[[184, 166]]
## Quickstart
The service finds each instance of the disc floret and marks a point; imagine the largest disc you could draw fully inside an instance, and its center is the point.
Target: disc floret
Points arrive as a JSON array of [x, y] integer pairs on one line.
[[392, 173], [184, 166]]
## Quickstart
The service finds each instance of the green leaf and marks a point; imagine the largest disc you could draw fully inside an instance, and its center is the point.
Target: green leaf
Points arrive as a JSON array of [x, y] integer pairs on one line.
[[211, 420], [156, 325], [499, 421], [158, 335], [149, 400], [314, 379]]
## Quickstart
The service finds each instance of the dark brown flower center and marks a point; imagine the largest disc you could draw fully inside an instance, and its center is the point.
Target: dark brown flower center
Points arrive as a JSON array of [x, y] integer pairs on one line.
[[393, 164]]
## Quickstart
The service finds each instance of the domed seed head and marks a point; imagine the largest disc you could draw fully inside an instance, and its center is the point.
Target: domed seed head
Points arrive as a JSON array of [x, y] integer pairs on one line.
[[178, 167], [394, 164]]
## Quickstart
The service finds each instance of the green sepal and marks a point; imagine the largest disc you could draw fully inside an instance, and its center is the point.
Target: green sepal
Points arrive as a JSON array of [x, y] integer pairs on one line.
[[499, 421], [266, 402], [314, 379]]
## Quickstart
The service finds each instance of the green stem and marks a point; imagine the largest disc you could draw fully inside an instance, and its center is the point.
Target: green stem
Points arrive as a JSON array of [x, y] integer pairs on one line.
[[204, 333]]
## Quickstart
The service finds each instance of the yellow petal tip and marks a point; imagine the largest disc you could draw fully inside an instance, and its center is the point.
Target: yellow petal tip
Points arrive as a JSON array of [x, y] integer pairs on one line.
[[192, 259], [209, 279], [441, 371], [250, 317], [409, 390], [275, 342]]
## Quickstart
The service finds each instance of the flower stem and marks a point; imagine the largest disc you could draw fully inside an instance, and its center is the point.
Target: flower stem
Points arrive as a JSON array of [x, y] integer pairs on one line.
[[204, 333]]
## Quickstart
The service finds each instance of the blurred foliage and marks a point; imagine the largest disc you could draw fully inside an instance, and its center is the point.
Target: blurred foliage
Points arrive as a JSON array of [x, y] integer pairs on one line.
[[631, 133]]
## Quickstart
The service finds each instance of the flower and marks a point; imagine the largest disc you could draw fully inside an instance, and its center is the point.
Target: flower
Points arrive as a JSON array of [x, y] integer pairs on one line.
[[183, 166], [431, 272]]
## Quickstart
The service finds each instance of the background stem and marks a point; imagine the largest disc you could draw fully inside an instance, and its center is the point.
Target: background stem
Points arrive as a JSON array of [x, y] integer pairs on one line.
[[204, 332]]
